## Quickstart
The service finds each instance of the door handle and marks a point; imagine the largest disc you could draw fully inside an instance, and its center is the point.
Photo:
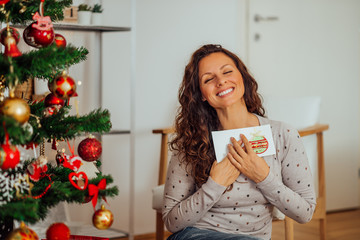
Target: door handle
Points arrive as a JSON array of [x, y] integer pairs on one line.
[[259, 18]]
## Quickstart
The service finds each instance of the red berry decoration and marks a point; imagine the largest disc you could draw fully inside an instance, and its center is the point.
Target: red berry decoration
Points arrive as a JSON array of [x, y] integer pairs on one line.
[[103, 218], [90, 149], [52, 100], [13, 32], [63, 86], [58, 231], [49, 111], [60, 40], [40, 33], [9, 156]]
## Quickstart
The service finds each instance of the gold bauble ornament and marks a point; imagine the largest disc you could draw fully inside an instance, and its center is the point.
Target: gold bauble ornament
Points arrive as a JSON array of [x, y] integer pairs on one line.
[[103, 218], [23, 233], [16, 108], [63, 86]]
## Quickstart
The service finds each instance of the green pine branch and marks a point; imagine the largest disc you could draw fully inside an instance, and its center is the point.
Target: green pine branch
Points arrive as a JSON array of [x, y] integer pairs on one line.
[[58, 126], [45, 63], [32, 210], [18, 134], [22, 11]]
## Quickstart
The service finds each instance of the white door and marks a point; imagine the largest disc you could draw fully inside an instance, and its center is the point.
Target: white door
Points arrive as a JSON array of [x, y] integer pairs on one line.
[[300, 48]]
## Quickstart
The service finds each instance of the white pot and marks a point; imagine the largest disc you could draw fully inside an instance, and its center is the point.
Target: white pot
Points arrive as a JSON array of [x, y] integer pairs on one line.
[[84, 17], [93, 2], [96, 19], [40, 86]]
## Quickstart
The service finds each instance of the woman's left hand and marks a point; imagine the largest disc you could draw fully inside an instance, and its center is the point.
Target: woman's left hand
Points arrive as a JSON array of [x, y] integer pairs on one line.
[[247, 161]]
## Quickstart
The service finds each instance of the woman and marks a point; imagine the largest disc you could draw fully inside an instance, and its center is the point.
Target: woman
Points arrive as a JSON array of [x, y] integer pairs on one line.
[[232, 199]]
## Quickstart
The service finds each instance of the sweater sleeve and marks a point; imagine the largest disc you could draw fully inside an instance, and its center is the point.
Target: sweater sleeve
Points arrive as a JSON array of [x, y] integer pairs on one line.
[[293, 193], [183, 204]]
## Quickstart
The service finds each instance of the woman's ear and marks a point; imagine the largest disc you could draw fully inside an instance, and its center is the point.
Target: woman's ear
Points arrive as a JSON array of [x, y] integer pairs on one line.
[[203, 98]]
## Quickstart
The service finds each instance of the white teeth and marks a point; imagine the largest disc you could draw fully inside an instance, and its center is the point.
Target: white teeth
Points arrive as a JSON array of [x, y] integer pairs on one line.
[[225, 92]]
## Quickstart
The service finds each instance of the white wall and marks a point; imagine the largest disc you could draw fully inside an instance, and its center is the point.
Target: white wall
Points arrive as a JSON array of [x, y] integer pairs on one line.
[[313, 50], [167, 32], [108, 63]]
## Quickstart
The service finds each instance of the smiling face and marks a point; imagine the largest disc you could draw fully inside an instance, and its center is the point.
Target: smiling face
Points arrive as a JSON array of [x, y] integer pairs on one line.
[[221, 83]]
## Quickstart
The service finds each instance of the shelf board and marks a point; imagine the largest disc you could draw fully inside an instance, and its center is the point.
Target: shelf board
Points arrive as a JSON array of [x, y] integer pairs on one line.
[[78, 27], [83, 28], [117, 132]]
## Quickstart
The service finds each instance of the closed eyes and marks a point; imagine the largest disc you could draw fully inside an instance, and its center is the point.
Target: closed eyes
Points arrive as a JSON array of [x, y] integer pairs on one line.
[[209, 79]]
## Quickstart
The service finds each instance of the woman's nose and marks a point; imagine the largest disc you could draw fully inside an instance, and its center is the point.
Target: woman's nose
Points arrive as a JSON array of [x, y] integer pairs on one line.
[[221, 81]]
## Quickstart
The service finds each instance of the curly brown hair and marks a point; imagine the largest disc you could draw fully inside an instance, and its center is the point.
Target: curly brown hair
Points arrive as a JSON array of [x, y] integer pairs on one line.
[[196, 118]]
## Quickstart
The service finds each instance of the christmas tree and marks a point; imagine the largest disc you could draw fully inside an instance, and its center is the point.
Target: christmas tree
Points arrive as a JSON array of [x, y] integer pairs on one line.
[[30, 187]]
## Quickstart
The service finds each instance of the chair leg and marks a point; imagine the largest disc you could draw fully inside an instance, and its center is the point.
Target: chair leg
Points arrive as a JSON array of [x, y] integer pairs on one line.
[[159, 227], [323, 229], [289, 229], [322, 192]]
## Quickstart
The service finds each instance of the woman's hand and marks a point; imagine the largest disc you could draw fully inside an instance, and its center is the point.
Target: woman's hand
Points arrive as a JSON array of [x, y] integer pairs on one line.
[[246, 160], [224, 172]]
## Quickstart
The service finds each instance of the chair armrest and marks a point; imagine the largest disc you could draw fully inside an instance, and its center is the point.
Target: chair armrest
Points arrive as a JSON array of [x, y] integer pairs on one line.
[[158, 198]]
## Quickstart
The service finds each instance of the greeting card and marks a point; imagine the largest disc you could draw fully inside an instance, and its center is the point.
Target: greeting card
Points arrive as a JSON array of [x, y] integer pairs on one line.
[[259, 137]]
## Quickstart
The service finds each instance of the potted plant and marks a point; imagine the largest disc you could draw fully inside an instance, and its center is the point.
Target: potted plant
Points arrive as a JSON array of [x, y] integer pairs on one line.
[[84, 14], [96, 14]]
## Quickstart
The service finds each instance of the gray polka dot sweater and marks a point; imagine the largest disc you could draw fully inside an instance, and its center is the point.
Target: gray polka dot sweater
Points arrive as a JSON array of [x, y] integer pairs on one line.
[[247, 207]]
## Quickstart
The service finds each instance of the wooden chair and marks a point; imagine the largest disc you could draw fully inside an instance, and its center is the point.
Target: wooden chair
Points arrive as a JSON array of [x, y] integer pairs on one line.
[[320, 211]]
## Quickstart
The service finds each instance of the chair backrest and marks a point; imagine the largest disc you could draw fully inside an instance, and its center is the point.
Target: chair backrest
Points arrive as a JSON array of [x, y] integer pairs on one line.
[[163, 152]]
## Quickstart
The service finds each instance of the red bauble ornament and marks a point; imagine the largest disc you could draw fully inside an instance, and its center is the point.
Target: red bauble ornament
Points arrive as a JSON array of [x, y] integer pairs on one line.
[[9, 156], [23, 233], [63, 86], [52, 100], [103, 218], [60, 40], [58, 231], [40, 33], [89, 149], [13, 32], [38, 38]]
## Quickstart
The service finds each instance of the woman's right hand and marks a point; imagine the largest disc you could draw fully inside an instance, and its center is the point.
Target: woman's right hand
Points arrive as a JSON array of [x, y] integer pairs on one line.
[[224, 172]]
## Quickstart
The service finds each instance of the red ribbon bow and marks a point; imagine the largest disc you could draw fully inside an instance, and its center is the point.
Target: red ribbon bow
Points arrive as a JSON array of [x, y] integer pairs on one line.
[[94, 191]]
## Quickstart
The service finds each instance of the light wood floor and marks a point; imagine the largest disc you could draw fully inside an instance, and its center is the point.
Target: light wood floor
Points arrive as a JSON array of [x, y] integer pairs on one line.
[[340, 226]]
